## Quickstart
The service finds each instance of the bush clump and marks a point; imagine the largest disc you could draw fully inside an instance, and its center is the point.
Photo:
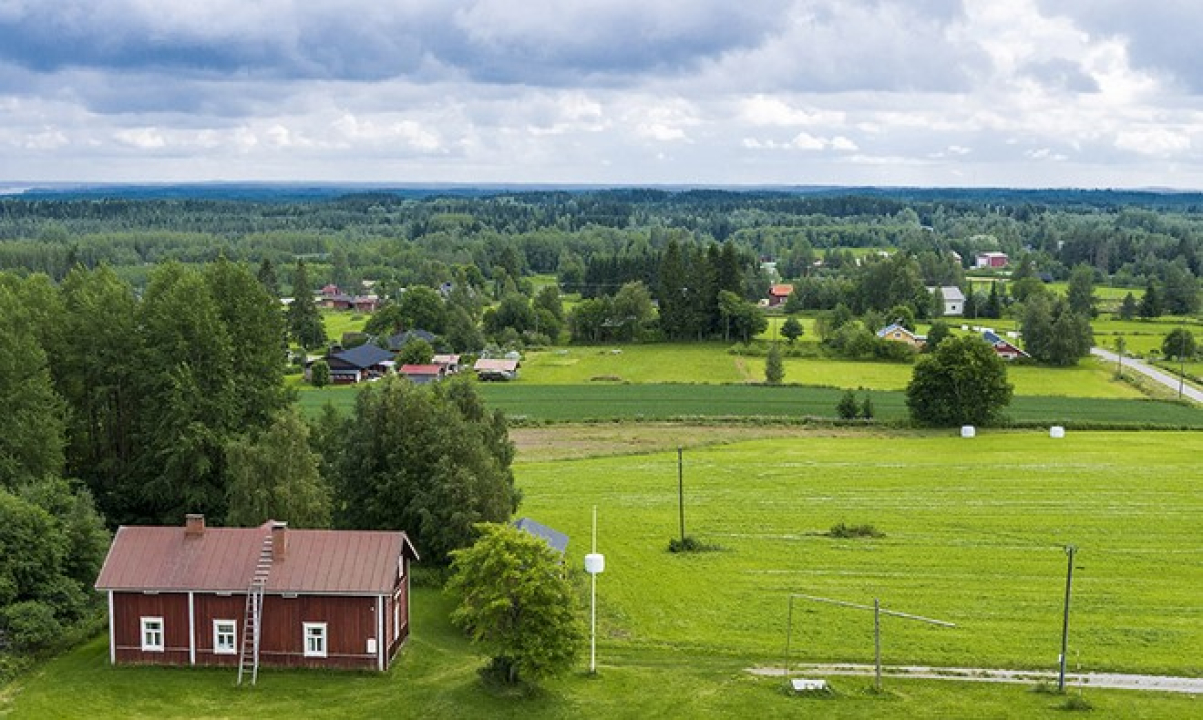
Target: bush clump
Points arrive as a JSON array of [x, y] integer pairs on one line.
[[690, 544], [845, 531]]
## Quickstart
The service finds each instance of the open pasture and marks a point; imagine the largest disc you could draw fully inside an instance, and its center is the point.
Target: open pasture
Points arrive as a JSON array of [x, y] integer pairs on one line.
[[666, 401], [713, 363], [974, 531]]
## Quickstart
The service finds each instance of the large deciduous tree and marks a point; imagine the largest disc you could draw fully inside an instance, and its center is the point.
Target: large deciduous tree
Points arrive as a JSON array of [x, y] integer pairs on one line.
[[189, 397], [963, 383], [425, 459], [515, 601], [275, 474], [1053, 333]]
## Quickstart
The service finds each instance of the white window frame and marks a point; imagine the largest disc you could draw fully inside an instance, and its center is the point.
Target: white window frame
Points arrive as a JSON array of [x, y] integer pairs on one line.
[[231, 631], [160, 631], [320, 636], [396, 619]]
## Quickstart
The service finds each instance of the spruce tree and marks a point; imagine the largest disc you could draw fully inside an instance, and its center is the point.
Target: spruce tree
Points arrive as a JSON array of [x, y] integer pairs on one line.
[[774, 368], [304, 321]]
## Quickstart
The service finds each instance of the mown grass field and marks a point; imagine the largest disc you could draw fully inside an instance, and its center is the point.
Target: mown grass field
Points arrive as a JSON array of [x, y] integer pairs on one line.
[[603, 402], [974, 534], [713, 363]]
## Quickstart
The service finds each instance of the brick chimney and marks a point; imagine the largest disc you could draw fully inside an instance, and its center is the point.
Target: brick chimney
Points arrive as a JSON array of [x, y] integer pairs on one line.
[[194, 524], [279, 541]]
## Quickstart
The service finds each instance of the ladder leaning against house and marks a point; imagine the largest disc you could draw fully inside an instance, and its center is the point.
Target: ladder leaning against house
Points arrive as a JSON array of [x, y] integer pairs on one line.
[[252, 619]]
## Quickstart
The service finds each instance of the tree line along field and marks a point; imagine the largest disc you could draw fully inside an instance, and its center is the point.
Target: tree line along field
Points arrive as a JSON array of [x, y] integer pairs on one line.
[[973, 529]]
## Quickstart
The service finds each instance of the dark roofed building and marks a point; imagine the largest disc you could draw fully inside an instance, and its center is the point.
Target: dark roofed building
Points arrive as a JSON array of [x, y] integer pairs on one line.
[[401, 339], [325, 598], [557, 540], [360, 363]]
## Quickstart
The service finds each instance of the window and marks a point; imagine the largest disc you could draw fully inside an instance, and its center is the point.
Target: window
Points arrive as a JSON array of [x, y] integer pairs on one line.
[[224, 634], [152, 634], [315, 639]]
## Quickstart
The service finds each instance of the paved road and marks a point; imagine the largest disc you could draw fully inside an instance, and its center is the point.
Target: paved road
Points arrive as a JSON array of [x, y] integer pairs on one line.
[[1151, 372], [1111, 681]]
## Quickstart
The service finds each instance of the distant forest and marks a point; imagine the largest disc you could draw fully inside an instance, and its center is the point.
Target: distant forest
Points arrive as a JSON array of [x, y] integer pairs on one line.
[[595, 240]]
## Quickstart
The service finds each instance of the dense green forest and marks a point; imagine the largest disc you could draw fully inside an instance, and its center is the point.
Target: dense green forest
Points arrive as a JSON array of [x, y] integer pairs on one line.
[[402, 238]]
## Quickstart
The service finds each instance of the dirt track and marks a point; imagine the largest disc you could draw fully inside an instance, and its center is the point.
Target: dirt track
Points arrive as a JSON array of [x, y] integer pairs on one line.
[[1112, 681]]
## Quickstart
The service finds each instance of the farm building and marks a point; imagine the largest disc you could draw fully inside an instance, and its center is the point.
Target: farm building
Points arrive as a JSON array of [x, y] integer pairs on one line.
[[449, 363], [897, 333], [361, 363], [235, 597], [487, 369], [400, 340], [422, 374], [954, 299], [778, 294], [991, 260], [1003, 348], [555, 539]]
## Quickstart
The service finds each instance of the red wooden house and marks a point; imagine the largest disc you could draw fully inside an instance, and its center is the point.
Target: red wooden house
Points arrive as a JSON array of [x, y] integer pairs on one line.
[[240, 596]]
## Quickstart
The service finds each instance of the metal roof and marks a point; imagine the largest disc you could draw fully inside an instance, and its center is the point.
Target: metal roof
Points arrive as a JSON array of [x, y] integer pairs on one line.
[[554, 538], [364, 356], [167, 559]]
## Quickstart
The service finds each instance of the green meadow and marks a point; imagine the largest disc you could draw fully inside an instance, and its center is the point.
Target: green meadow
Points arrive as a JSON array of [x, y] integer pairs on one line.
[[973, 534]]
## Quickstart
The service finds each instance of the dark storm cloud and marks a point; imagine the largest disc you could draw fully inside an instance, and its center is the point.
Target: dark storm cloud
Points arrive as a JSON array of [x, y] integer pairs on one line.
[[534, 42], [1164, 37]]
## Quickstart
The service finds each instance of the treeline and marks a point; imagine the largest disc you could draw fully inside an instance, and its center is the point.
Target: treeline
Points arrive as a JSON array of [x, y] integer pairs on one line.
[[401, 239]]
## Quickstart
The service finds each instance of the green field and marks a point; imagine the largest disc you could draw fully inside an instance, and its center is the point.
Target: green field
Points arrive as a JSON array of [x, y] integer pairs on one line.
[[574, 403], [974, 531], [713, 363]]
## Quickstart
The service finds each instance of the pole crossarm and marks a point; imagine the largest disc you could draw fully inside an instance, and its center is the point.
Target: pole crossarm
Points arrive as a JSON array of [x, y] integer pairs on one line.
[[883, 611]]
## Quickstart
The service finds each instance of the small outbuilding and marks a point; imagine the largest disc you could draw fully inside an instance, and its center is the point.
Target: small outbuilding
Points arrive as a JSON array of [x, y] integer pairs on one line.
[[194, 595], [555, 539], [493, 369]]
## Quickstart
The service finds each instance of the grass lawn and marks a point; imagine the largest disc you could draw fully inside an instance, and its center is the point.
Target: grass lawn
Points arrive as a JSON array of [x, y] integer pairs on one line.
[[338, 322], [974, 530]]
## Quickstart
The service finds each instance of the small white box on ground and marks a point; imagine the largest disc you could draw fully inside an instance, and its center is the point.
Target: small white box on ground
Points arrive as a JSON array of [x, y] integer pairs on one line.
[[808, 684], [968, 431], [1056, 431]]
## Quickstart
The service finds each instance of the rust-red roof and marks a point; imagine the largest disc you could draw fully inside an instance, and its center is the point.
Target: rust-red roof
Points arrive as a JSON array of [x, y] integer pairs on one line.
[[348, 562]]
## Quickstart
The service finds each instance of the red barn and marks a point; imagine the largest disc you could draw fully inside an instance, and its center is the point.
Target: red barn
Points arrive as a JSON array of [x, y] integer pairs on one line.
[[243, 596], [778, 294]]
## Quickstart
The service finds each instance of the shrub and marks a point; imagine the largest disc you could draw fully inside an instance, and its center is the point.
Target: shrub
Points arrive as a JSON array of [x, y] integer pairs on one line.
[[31, 625], [845, 531], [690, 544], [848, 408]]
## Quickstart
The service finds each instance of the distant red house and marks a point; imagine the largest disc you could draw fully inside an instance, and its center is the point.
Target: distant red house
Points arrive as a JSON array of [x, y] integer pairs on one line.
[[269, 595], [422, 374], [991, 260], [1003, 348], [778, 294]]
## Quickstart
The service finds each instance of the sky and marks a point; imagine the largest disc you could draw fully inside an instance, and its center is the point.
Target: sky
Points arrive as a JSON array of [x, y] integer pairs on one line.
[[965, 93]]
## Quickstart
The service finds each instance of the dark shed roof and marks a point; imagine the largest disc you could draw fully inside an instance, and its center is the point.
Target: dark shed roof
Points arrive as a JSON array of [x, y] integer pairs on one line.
[[364, 356], [556, 539]]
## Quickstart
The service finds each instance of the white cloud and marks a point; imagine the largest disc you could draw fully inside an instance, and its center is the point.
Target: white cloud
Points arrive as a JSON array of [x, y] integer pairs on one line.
[[146, 138], [1158, 142]]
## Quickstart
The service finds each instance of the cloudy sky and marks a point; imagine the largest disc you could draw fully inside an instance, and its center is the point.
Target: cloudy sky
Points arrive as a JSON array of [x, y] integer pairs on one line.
[[1031, 93]]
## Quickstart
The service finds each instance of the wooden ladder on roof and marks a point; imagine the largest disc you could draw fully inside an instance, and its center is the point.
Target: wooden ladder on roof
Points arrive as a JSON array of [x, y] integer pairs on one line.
[[252, 618]]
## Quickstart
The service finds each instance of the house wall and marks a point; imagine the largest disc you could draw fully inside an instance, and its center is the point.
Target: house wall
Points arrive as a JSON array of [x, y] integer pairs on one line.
[[350, 622], [128, 611]]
